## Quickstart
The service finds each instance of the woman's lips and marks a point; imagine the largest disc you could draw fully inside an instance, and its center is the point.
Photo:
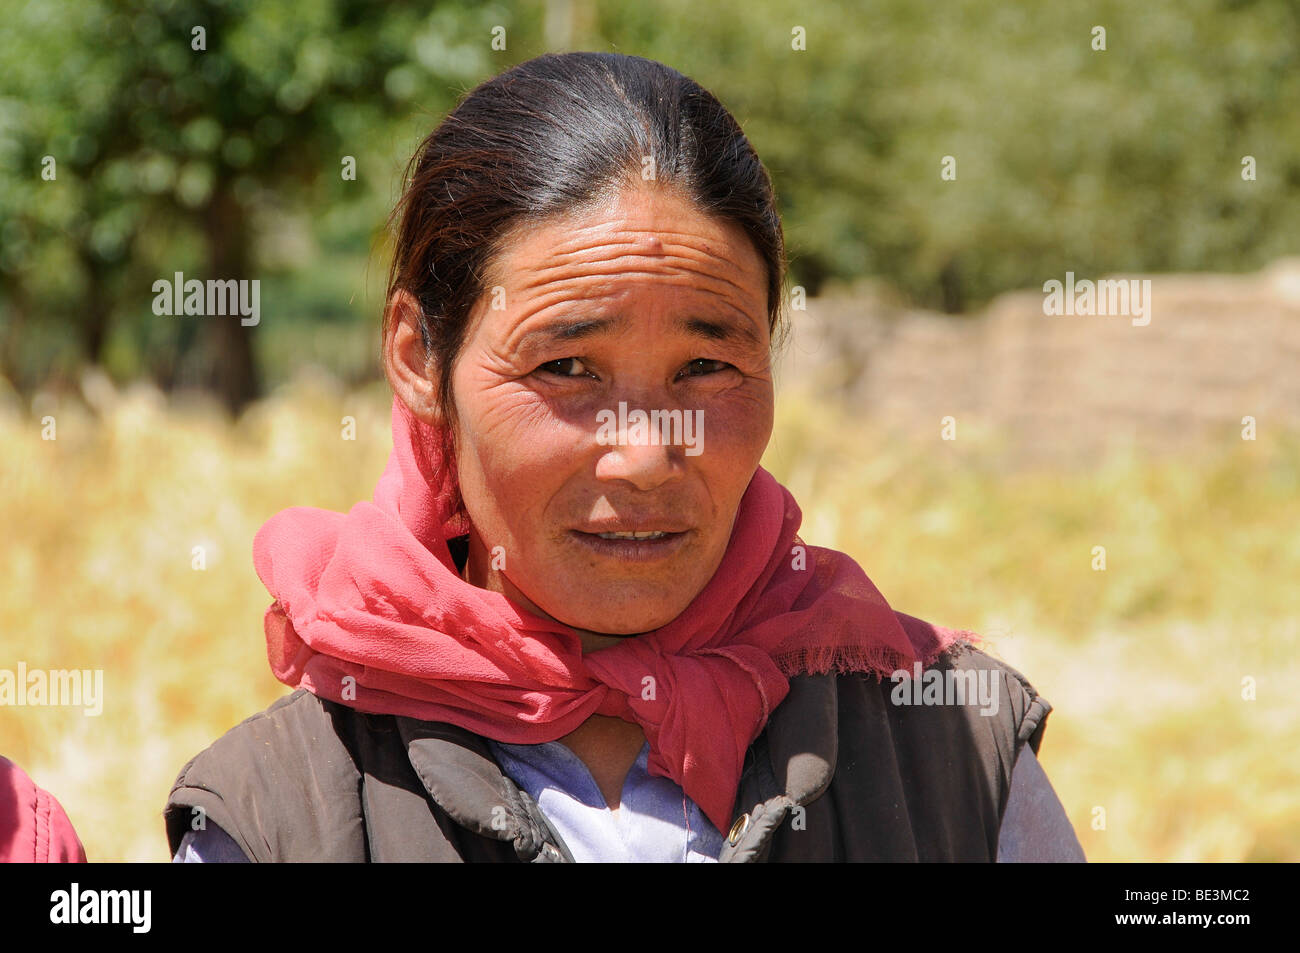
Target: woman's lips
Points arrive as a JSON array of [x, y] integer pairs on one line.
[[627, 549]]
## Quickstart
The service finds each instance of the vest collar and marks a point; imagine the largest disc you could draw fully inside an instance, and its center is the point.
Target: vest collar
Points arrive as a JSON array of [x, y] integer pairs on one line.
[[458, 770], [803, 737], [790, 764]]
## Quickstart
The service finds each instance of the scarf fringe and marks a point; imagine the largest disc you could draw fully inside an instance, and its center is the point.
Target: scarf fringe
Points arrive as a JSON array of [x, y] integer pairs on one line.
[[879, 660]]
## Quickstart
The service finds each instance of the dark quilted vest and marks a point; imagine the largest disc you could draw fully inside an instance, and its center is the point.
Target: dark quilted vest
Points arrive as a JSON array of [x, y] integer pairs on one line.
[[839, 773]]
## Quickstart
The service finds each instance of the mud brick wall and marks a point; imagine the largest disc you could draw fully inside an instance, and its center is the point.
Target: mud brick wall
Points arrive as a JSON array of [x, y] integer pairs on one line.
[[1065, 387]]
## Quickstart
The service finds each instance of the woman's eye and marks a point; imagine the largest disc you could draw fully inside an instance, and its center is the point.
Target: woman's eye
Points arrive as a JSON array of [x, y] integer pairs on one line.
[[563, 367], [704, 365]]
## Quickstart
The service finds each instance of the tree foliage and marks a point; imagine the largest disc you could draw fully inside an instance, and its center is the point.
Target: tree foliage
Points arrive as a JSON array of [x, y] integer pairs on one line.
[[226, 160]]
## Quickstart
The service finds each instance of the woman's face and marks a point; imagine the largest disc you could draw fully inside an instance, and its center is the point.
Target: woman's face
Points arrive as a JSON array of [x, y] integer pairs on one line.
[[643, 303]]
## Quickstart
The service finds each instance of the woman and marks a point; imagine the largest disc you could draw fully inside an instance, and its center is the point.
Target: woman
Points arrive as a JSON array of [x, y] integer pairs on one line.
[[577, 623]]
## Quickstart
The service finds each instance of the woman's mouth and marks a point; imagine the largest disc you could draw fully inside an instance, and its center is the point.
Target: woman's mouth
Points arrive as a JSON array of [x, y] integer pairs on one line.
[[643, 546]]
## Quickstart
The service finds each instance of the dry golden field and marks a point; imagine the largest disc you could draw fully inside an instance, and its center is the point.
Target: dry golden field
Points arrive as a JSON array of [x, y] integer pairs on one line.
[[1144, 662]]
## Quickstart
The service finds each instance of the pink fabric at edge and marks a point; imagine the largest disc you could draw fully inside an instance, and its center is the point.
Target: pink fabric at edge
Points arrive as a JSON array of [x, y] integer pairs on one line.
[[34, 828]]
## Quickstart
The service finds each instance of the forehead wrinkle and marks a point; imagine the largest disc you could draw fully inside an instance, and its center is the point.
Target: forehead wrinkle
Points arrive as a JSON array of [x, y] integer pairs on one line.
[[677, 276], [661, 233], [617, 267], [664, 247], [659, 245], [683, 261], [601, 288]]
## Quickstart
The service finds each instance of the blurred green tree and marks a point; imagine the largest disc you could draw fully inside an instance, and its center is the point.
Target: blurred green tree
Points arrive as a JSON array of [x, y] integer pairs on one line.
[[172, 126], [1063, 155]]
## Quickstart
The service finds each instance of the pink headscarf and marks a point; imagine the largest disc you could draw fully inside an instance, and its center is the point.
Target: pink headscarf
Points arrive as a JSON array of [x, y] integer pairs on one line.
[[374, 594]]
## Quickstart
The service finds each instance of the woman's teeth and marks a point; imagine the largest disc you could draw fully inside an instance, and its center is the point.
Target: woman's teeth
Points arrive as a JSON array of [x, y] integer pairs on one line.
[[651, 535]]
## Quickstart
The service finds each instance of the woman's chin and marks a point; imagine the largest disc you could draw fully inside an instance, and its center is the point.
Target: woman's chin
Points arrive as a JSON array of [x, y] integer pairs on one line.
[[618, 618]]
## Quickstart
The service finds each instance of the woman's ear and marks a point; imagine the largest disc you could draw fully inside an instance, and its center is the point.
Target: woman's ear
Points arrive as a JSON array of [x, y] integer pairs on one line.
[[412, 374]]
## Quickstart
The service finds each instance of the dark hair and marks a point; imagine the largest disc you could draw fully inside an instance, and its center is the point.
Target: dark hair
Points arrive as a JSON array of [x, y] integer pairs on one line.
[[548, 138]]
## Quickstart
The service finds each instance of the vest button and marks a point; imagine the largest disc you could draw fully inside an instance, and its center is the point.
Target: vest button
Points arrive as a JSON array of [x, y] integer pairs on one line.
[[737, 829]]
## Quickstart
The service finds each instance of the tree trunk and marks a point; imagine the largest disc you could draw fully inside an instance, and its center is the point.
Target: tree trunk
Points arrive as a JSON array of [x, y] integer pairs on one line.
[[230, 369], [950, 287], [95, 306], [11, 357]]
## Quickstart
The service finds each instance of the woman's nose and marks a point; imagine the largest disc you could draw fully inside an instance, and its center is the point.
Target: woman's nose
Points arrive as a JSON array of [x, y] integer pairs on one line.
[[645, 467], [641, 444]]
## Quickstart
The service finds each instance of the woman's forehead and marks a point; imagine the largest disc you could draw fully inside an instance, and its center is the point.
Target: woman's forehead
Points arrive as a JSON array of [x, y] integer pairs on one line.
[[645, 242]]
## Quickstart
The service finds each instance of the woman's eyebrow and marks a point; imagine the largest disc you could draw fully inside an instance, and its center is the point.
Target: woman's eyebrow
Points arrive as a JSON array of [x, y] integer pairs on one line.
[[564, 330], [720, 329], [711, 329]]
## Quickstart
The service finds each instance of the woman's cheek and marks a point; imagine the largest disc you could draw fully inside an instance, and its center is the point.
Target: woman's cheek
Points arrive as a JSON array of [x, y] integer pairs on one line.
[[524, 461], [736, 429], [517, 430]]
